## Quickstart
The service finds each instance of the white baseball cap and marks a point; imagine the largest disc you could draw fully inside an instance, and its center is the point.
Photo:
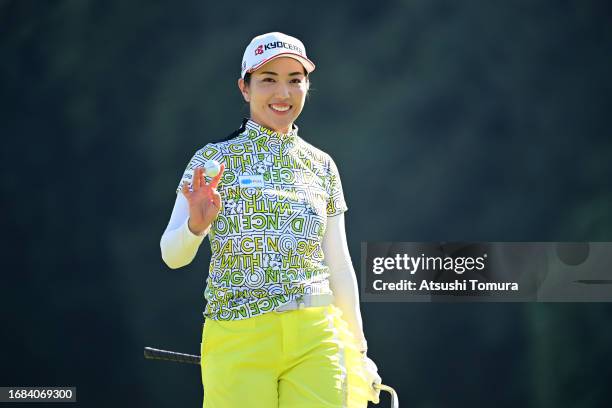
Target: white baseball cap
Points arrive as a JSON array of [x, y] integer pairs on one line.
[[266, 47]]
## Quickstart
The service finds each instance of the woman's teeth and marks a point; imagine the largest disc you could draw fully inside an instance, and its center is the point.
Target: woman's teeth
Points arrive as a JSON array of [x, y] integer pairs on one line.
[[281, 108]]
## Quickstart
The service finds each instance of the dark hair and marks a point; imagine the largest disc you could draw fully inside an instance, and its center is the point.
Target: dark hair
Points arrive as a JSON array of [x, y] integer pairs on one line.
[[235, 132], [247, 78]]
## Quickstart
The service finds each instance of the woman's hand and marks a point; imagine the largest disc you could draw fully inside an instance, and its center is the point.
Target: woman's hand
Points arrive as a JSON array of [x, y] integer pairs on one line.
[[204, 200], [371, 372]]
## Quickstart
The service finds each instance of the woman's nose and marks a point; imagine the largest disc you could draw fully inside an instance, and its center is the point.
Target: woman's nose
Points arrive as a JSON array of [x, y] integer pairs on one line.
[[282, 90]]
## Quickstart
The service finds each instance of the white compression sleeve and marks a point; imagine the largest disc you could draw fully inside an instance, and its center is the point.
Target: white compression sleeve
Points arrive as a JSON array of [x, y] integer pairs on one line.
[[178, 244], [342, 277]]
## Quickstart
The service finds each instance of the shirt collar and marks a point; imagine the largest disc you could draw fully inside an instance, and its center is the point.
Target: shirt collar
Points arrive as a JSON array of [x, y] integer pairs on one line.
[[254, 130]]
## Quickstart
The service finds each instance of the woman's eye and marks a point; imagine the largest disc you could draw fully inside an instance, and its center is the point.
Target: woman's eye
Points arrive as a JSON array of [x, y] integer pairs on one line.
[[296, 81], [268, 79]]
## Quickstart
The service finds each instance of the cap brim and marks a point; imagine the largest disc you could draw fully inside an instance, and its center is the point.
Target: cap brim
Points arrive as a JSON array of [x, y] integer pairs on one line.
[[308, 64]]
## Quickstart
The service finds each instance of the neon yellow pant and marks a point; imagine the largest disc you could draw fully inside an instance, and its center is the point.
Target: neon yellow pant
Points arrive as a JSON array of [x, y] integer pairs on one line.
[[299, 358]]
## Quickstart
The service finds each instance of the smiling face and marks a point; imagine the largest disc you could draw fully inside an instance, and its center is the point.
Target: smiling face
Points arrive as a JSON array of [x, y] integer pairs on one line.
[[276, 93]]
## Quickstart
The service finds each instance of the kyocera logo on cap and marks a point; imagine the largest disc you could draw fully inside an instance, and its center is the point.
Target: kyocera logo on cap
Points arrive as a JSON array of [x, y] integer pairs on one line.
[[266, 47]]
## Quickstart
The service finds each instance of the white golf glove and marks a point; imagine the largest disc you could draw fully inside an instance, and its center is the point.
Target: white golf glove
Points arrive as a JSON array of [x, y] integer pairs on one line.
[[371, 373]]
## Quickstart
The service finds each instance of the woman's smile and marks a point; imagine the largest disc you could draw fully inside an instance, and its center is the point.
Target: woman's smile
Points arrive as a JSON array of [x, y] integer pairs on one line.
[[280, 108]]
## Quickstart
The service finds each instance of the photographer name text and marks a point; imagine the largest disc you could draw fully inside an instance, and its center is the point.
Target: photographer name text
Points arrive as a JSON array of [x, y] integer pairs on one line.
[[433, 286]]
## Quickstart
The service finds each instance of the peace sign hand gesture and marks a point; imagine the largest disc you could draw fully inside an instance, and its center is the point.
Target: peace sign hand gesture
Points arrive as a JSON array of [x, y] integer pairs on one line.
[[204, 200]]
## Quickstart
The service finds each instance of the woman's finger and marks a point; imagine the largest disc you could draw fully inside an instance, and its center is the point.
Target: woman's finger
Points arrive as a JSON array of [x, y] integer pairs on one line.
[[195, 179], [185, 188], [216, 200], [215, 181], [203, 179]]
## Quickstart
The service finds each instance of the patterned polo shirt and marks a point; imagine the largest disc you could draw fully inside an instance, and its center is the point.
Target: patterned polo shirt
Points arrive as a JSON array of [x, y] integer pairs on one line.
[[276, 191]]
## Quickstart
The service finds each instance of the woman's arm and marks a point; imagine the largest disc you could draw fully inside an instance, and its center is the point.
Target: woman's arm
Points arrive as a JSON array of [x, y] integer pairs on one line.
[[344, 285], [178, 244], [342, 277]]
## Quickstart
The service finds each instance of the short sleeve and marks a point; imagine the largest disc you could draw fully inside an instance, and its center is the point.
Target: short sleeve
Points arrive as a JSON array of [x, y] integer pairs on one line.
[[335, 203], [210, 151]]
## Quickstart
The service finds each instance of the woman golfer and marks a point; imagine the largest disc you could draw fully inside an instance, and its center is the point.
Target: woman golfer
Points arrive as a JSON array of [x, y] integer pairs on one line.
[[282, 321]]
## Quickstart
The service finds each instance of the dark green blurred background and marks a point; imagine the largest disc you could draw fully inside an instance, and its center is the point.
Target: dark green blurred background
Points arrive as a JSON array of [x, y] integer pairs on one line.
[[472, 120]]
